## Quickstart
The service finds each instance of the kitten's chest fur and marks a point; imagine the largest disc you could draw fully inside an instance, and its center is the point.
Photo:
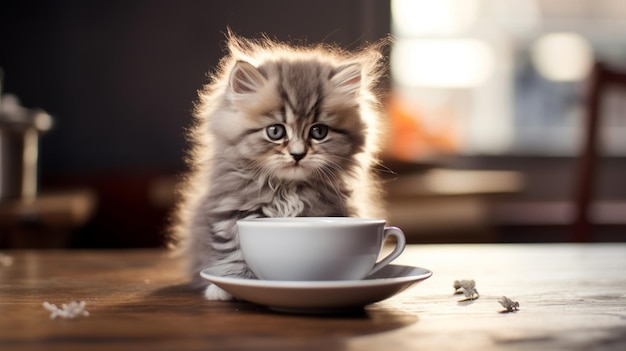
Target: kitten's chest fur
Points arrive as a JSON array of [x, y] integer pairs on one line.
[[302, 199], [286, 202], [291, 200]]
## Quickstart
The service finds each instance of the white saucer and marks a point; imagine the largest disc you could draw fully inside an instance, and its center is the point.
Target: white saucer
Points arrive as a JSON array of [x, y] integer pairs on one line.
[[321, 296]]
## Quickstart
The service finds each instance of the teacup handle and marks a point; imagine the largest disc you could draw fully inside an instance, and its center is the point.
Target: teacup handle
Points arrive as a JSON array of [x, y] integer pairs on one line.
[[400, 244]]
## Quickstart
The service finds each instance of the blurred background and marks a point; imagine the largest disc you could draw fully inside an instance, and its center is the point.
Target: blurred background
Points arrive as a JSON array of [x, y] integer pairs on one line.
[[486, 102]]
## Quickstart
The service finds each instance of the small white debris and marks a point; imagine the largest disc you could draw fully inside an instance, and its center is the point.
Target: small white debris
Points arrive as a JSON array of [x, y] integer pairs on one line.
[[508, 304], [71, 310], [467, 288]]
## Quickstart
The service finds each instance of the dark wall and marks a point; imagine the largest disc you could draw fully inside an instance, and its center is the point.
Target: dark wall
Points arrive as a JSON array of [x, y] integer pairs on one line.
[[120, 78]]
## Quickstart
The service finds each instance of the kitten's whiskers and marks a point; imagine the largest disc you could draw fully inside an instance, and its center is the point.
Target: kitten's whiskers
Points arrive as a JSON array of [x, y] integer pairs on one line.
[[327, 175]]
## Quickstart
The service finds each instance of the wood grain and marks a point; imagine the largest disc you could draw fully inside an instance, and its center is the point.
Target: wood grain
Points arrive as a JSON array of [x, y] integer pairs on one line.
[[571, 297]]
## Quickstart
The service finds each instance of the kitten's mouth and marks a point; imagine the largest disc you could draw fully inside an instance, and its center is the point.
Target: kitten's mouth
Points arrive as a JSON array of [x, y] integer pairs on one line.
[[293, 171]]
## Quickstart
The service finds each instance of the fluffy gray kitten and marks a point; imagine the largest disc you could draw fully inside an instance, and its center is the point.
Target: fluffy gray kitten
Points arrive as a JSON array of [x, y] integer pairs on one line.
[[281, 131]]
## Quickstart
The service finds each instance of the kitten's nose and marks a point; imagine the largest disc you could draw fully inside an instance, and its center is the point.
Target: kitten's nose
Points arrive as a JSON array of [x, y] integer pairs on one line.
[[297, 156]]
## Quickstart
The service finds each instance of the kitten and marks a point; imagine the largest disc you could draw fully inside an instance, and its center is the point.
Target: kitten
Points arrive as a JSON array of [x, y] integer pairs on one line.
[[280, 131]]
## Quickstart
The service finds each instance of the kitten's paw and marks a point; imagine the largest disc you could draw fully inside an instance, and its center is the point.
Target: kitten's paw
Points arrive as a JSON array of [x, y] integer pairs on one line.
[[215, 293]]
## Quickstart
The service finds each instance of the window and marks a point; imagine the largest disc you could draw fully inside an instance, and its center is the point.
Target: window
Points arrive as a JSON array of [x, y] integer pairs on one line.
[[497, 77]]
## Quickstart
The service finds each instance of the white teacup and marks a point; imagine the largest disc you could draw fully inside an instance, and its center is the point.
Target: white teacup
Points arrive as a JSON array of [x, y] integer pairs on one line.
[[316, 248]]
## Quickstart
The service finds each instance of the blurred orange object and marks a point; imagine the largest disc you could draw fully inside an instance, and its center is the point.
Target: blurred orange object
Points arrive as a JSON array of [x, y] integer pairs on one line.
[[411, 140]]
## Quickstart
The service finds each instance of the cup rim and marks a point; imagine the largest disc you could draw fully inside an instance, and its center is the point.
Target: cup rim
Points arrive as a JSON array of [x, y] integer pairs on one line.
[[308, 221]]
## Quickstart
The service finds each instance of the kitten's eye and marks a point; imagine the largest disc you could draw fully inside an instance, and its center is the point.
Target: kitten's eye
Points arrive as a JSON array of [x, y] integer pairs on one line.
[[318, 131], [275, 131]]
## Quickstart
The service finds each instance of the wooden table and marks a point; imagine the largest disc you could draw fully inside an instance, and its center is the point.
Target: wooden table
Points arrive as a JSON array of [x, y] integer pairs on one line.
[[572, 297]]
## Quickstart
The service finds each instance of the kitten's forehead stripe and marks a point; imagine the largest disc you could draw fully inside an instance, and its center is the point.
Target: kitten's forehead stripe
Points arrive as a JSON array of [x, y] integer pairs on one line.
[[290, 116], [315, 110], [301, 89], [288, 106], [283, 93], [300, 86], [283, 113]]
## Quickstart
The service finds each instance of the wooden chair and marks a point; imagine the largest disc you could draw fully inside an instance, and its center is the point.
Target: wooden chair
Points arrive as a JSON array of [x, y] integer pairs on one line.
[[603, 78]]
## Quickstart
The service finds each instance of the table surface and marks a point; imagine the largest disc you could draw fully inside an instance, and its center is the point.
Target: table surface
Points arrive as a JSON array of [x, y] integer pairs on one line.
[[571, 296]]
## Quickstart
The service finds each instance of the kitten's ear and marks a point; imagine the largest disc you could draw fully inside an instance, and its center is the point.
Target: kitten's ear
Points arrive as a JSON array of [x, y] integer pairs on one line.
[[245, 78], [347, 78]]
